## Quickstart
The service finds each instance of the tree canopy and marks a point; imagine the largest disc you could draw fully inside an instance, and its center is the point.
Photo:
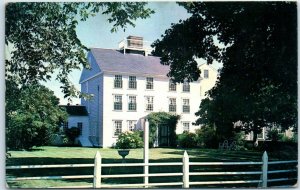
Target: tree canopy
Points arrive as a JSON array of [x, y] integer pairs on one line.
[[42, 37], [34, 116], [257, 44]]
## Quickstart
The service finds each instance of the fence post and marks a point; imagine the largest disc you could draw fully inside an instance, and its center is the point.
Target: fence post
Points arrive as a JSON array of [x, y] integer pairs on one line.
[[264, 170], [146, 152], [97, 171], [186, 170]]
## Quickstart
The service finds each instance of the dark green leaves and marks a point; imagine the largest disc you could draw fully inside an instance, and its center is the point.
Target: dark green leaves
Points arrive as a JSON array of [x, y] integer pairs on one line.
[[43, 38]]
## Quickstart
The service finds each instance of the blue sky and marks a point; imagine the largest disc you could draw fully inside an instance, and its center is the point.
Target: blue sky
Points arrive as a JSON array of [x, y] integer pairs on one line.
[[95, 32]]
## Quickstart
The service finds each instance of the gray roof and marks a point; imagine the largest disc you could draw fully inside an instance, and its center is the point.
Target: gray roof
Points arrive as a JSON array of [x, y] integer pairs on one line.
[[110, 60], [75, 110]]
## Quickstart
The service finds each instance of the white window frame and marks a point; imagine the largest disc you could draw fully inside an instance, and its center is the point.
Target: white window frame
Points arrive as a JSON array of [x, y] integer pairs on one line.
[[132, 100], [117, 100], [149, 103], [118, 81], [172, 105], [117, 126], [185, 105], [149, 83], [172, 86], [186, 87], [132, 84], [184, 126]]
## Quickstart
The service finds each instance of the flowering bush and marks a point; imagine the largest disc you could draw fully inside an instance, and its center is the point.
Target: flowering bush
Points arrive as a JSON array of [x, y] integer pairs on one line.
[[128, 140]]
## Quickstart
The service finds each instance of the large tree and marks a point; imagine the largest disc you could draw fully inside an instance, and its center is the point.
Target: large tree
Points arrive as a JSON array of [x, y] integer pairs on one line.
[[42, 39], [257, 44], [32, 115]]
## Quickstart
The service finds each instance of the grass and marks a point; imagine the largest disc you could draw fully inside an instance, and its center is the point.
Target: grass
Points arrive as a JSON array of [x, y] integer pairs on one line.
[[78, 155]]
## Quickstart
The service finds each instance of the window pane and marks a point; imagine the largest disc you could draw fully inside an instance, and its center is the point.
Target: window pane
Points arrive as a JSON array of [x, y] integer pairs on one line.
[[149, 83], [172, 86], [186, 105], [132, 103], [117, 128], [79, 125], [132, 82], [118, 83], [186, 126], [118, 102], [186, 87], [172, 105], [149, 103]]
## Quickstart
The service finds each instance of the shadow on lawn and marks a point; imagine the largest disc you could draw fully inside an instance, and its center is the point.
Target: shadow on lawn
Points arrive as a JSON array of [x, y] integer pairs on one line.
[[217, 155]]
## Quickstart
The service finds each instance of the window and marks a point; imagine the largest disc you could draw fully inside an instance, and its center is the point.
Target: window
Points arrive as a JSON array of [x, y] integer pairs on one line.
[[132, 103], [132, 82], [118, 102], [117, 127], [172, 86], [118, 83], [149, 83], [186, 86], [79, 126], [172, 105], [131, 125], [186, 126], [186, 106], [149, 103], [206, 74]]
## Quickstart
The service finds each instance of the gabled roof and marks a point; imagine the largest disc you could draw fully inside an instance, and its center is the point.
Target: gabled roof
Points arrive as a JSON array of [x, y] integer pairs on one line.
[[75, 110], [110, 60]]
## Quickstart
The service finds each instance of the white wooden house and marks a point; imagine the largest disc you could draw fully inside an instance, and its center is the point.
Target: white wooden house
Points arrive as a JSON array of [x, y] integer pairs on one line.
[[127, 84]]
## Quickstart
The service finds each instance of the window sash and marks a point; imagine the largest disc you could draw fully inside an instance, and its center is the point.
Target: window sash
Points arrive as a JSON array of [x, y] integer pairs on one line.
[[172, 86], [132, 106], [117, 128], [149, 83], [149, 103], [186, 126], [132, 82], [118, 102], [118, 82], [186, 109], [172, 108], [186, 87]]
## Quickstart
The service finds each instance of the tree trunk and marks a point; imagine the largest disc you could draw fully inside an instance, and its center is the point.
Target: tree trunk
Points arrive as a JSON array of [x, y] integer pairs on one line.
[[255, 139]]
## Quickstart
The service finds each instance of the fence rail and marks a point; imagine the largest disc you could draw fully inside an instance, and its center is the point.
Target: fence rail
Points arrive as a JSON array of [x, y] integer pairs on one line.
[[185, 174]]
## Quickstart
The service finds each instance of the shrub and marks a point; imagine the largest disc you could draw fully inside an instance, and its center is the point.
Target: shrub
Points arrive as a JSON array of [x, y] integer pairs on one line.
[[72, 133], [187, 140], [239, 137], [274, 135], [129, 140], [207, 137]]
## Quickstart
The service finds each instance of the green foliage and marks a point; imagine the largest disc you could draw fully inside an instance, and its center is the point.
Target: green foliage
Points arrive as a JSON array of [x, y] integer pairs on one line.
[[129, 140], [33, 118], [41, 37], [72, 133], [274, 135], [163, 119], [206, 137], [187, 140], [257, 45]]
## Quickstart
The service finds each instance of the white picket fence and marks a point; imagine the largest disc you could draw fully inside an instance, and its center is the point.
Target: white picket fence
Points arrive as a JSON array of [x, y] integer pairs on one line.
[[185, 174]]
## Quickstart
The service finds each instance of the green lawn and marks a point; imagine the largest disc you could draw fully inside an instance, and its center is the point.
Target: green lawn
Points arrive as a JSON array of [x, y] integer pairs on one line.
[[79, 155]]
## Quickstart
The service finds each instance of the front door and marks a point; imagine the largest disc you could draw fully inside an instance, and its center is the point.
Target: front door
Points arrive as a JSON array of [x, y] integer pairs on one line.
[[163, 135]]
